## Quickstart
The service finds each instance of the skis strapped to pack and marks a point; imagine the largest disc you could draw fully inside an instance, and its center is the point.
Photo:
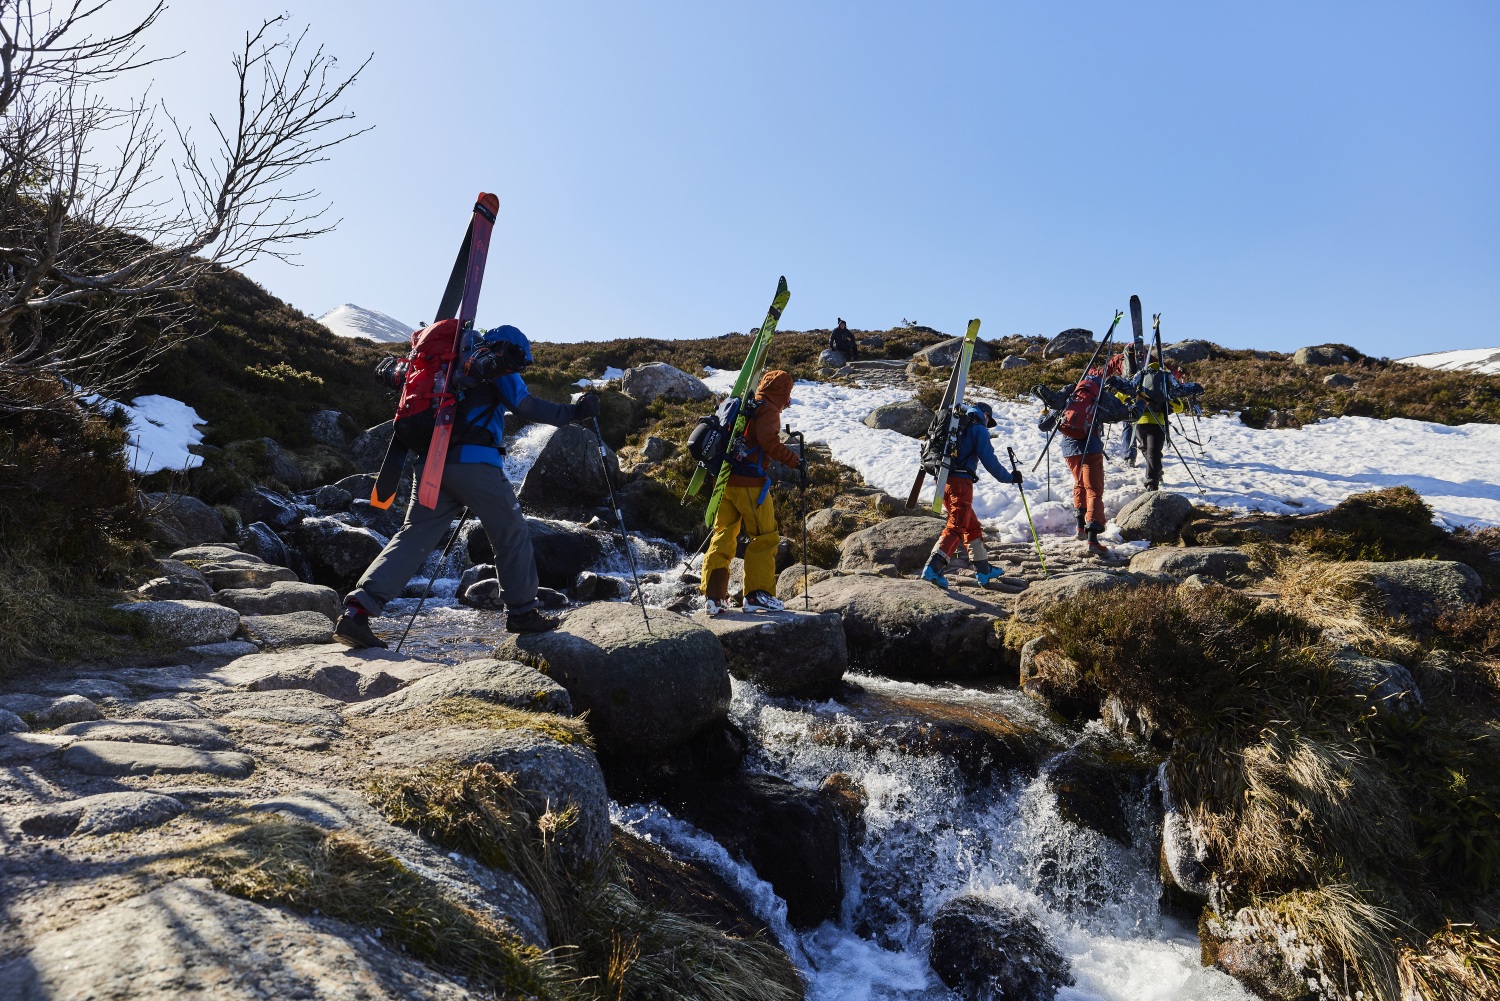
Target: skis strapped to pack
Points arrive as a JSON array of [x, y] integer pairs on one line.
[[460, 298], [944, 447], [744, 391]]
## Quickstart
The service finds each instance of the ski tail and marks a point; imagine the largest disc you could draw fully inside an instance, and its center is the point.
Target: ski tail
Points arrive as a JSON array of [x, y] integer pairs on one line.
[[744, 388], [1137, 333], [953, 416]]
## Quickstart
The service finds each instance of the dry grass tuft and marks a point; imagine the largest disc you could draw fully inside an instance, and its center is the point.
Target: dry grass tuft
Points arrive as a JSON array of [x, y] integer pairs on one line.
[[1331, 597], [1344, 936], [609, 944], [1459, 963], [336, 874]]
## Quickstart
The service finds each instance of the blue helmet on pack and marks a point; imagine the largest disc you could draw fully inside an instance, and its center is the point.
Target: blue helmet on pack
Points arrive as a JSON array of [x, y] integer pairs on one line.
[[496, 352], [506, 333]]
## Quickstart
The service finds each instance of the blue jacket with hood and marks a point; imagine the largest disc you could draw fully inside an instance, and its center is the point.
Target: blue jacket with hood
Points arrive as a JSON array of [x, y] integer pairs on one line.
[[486, 410], [974, 449]]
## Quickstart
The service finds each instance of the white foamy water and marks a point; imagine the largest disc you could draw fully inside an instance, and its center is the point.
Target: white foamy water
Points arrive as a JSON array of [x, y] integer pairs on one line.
[[932, 835]]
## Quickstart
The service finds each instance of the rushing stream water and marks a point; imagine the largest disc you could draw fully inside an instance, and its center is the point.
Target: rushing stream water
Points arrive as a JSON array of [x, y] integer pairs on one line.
[[930, 832], [930, 835]]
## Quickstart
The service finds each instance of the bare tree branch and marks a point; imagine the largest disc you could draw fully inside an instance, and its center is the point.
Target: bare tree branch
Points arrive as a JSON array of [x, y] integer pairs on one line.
[[93, 264]]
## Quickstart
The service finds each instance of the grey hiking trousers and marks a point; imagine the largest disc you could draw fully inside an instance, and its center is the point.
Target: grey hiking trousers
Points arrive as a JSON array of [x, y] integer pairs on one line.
[[485, 491]]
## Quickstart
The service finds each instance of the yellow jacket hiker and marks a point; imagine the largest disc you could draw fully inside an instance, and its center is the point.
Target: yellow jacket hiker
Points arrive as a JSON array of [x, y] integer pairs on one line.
[[747, 503]]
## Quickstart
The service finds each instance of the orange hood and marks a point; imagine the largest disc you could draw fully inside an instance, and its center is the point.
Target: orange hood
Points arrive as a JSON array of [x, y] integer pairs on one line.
[[775, 388]]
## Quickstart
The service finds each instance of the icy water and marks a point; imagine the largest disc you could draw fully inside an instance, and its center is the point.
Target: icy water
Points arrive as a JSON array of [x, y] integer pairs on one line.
[[931, 835]]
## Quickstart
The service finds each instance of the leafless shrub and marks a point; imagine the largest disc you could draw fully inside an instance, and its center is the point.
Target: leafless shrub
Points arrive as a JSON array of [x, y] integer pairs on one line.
[[107, 214]]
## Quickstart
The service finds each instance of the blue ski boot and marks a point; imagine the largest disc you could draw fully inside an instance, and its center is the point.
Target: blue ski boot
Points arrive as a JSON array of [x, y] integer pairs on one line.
[[933, 572], [985, 574]]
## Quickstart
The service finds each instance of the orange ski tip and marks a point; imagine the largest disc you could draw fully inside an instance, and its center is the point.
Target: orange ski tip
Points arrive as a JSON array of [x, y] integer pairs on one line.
[[376, 502], [489, 201]]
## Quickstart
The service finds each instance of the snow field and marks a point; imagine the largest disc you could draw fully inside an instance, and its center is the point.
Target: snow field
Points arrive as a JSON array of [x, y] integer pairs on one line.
[[1484, 361], [1278, 472]]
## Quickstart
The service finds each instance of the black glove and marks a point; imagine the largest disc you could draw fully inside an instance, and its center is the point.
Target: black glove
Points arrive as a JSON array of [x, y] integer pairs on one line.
[[1016, 477], [391, 372], [587, 407]]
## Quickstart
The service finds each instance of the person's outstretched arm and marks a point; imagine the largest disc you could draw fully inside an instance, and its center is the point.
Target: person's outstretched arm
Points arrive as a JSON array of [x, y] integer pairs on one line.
[[519, 401]]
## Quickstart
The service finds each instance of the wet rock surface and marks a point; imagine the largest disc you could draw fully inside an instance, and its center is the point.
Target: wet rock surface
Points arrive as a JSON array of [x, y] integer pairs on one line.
[[645, 692], [792, 837], [786, 653], [908, 628], [988, 951]]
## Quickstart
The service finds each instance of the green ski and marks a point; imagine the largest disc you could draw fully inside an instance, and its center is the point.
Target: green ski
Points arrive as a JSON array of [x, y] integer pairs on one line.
[[939, 452], [744, 389]]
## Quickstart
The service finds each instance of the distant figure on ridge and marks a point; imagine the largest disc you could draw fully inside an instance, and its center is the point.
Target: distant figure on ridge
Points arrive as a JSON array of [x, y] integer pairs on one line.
[[842, 340]]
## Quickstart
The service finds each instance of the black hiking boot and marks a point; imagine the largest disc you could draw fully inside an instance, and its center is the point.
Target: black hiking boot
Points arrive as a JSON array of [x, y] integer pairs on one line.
[[353, 630], [530, 621]]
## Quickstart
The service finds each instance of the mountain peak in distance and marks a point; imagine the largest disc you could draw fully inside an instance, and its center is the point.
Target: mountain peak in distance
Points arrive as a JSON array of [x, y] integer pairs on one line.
[[350, 320]]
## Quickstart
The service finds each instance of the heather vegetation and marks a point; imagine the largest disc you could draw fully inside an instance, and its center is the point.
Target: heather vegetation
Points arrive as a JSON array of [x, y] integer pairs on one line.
[[1363, 836]]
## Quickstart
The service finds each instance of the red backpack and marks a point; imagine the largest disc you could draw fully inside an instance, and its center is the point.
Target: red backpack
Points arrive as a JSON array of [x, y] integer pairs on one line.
[[429, 368], [1082, 405]]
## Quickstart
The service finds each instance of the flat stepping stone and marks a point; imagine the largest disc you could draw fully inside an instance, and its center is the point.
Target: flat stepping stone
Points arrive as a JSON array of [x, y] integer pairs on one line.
[[228, 576], [281, 597], [289, 698], [183, 623], [105, 813], [17, 748], [204, 735], [165, 680], [294, 715], [105, 757], [188, 940], [287, 629], [502, 682], [328, 669], [168, 709]]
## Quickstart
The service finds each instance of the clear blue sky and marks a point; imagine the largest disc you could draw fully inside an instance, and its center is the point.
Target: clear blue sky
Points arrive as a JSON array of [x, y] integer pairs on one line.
[[1268, 174]]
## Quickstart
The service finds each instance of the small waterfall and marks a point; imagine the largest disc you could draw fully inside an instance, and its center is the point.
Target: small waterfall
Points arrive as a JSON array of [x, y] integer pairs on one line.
[[932, 834]]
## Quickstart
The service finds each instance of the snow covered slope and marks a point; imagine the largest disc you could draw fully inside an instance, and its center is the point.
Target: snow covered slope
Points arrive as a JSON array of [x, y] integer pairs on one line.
[[1485, 361], [1279, 472], [350, 320]]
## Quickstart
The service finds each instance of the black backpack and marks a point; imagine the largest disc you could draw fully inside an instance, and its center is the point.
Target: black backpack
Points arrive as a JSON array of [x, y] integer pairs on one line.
[[709, 441], [1156, 387]]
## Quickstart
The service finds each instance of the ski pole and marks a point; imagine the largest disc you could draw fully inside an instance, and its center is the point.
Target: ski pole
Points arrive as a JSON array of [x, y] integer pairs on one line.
[[1036, 541], [802, 486], [430, 580], [620, 521], [1185, 465]]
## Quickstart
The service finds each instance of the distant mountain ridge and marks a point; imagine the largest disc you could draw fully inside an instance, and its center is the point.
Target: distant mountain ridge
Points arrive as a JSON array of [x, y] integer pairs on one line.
[[1483, 361], [350, 320]]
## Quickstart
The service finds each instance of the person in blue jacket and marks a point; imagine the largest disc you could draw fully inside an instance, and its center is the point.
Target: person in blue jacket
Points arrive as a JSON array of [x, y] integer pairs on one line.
[[473, 477], [974, 450]]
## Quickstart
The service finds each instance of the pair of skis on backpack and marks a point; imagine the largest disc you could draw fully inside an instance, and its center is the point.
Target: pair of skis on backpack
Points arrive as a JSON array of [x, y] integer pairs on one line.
[[429, 398], [940, 451]]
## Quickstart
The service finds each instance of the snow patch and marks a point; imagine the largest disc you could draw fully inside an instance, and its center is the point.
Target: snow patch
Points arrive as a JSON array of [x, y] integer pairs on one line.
[[611, 374], [1484, 361], [350, 320], [1273, 471], [161, 429]]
